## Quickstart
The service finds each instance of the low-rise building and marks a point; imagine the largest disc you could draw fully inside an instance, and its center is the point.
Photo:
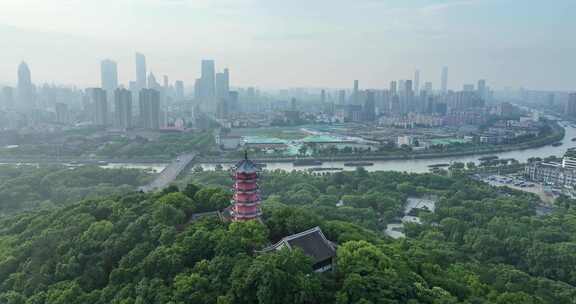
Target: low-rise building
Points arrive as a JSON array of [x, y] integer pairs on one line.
[[314, 244], [551, 174]]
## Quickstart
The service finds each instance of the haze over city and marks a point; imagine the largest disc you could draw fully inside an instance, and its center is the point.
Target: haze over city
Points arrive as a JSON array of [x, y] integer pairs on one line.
[[287, 152], [281, 44]]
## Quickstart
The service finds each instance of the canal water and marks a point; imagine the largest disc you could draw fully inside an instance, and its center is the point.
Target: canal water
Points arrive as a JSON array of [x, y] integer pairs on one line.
[[421, 165]]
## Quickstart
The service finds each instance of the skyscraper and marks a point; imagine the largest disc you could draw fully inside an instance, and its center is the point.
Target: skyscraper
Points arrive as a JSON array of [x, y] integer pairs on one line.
[[109, 76], [393, 87], [234, 102], [482, 88], [198, 88], [100, 107], [342, 97], [444, 79], [226, 82], [356, 93], [153, 83], [179, 87], [122, 109], [571, 105], [25, 87], [401, 86], [62, 113], [417, 81], [7, 98], [223, 84], [165, 82], [408, 86], [140, 71], [370, 106], [208, 89], [149, 101], [407, 98], [428, 87]]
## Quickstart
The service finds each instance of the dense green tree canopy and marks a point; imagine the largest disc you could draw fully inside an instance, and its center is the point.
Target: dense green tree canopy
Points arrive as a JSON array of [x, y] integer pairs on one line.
[[482, 245]]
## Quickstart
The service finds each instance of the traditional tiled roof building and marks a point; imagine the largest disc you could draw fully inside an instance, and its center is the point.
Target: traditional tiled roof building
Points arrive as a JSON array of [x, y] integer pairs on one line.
[[314, 244]]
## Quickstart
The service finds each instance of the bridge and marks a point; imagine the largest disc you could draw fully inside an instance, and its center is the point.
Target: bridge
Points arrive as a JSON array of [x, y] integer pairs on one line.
[[170, 173]]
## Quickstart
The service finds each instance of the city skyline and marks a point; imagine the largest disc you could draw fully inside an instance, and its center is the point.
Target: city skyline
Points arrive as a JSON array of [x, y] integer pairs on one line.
[[527, 47]]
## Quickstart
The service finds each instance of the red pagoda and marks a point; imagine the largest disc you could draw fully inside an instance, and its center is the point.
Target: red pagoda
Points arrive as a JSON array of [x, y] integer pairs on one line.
[[246, 197]]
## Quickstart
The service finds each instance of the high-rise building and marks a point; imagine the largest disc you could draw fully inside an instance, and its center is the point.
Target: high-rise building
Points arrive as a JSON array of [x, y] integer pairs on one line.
[[444, 79], [428, 87], [482, 88], [165, 82], [408, 86], [153, 83], [149, 101], [7, 98], [223, 108], [100, 107], [569, 159], [109, 76], [393, 87], [342, 97], [226, 83], [468, 88], [550, 99], [223, 84], [407, 97], [356, 93], [122, 109], [25, 88], [208, 82], [198, 88], [234, 102], [179, 87], [323, 96], [62, 113], [571, 105], [140, 71], [370, 106], [417, 81]]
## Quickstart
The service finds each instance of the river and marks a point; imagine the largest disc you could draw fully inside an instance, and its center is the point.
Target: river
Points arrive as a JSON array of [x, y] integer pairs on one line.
[[407, 165], [421, 165]]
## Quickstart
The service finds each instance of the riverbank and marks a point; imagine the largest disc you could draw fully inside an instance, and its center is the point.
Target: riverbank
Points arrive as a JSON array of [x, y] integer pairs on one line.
[[558, 134]]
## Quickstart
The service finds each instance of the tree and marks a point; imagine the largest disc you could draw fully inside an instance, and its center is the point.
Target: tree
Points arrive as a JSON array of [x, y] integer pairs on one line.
[[178, 200], [190, 190], [276, 278], [471, 165], [168, 215], [251, 234]]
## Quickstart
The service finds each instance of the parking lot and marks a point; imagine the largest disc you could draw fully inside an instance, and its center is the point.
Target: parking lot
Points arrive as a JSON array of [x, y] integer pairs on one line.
[[546, 193]]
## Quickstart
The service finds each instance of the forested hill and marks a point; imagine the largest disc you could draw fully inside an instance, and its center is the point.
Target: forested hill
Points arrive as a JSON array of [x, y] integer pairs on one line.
[[482, 245]]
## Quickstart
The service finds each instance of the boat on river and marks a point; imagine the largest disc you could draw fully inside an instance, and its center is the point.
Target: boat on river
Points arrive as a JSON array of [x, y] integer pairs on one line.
[[488, 158], [438, 166], [306, 162], [557, 144], [358, 164], [324, 169]]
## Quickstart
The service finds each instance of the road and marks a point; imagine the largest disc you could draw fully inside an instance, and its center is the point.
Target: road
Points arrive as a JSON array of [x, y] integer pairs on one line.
[[170, 173]]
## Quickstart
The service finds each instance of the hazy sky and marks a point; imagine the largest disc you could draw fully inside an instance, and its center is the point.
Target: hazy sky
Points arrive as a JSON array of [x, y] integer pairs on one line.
[[294, 43]]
